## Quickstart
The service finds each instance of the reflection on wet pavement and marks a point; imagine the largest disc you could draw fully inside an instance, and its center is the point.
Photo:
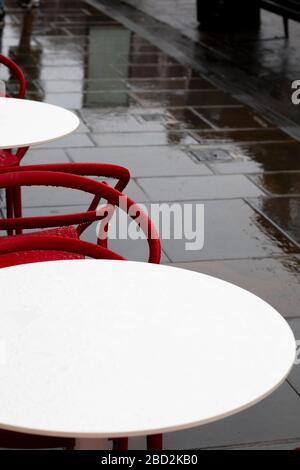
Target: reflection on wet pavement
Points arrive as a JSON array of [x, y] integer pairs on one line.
[[263, 57], [182, 137], [234, 118], [254, 158], [233, 230], [284, 212], [239, 136], [279, 183], [165, 84], [274, 279]]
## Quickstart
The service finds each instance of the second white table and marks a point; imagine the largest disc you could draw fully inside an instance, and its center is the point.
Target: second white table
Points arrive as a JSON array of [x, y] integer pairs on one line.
[[24, 123]]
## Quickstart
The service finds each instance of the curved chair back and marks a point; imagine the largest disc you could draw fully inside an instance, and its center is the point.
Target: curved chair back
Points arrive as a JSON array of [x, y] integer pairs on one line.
[[16, 72], [99, 170], [96, 189]]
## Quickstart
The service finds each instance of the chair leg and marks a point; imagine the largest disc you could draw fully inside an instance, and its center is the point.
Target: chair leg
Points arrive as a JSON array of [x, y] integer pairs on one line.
[[120, 444], [9, 207], [286, 27], [155, 442], [17, 205]]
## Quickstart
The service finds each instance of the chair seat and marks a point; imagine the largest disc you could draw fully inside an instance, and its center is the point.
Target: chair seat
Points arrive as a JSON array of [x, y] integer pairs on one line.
[[8, 159], [27, 257], [65, 232]]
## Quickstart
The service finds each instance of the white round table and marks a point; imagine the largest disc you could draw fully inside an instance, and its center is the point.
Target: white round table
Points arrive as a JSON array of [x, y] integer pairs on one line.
[[101, 349], [24, 123]]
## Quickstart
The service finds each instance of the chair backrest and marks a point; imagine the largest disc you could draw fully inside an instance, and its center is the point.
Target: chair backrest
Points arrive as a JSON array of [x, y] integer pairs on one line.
[[16, 72], [99, 170], [97, 189], [18, 250]]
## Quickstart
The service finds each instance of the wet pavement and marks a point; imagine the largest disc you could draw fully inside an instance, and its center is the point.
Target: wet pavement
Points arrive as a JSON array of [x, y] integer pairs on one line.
[[262, 60], [185, 139]]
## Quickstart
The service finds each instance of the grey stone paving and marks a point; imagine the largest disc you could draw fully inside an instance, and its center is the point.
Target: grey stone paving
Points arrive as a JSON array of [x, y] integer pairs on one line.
[[266, 60]]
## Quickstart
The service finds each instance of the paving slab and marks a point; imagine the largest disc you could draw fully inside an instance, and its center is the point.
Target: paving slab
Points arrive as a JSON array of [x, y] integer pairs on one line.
[[141, 139], [275, 419], [257, 158], [121, 120], [181, 98], [37, 156], [275, 280], [240, 136], [143, 161], [202, 187], [232, 230], [166, 84], [279, 183], [233, 118], [188, 119], [282, 211], [71, 141]]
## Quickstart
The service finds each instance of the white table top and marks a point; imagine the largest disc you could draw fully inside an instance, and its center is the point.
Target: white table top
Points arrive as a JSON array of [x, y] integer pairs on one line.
[[112, 348], [25, 123]]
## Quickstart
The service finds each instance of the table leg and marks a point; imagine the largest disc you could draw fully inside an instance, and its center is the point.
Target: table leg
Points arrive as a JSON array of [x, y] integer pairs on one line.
[[93, 444]]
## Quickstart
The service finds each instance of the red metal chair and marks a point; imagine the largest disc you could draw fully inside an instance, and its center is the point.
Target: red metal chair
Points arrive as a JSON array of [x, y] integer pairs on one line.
[[16, 72], [7, 157], [64, 225], [99, 170]]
